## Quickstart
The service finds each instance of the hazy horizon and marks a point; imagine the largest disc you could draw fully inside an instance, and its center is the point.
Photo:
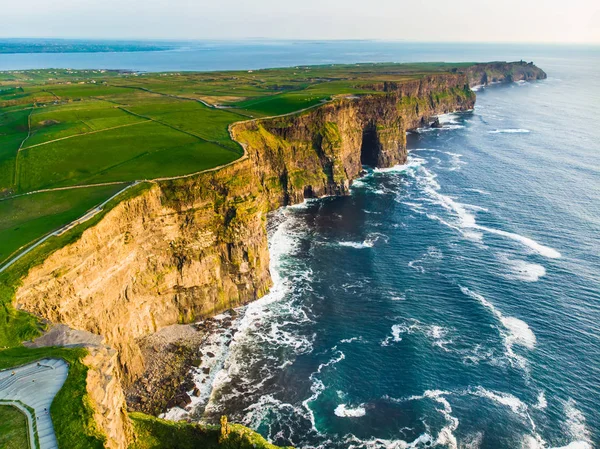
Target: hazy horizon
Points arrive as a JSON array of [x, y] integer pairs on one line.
[[472, 21]]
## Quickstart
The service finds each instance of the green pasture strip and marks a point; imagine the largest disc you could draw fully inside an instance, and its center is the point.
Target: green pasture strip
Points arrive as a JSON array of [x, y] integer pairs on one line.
[[26, 218], [100, 157], [13, 428], [56, 122], [13, 131]]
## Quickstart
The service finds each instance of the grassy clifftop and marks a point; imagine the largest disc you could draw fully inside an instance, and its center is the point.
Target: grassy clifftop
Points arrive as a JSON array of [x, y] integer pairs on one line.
[[155, 433]]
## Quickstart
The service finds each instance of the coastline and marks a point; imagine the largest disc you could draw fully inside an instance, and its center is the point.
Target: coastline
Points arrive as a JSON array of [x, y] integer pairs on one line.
[[182, 197]]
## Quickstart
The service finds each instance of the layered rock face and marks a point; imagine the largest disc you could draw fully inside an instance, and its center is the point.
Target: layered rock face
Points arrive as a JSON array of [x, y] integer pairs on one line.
[[189, 248], [503, 72]]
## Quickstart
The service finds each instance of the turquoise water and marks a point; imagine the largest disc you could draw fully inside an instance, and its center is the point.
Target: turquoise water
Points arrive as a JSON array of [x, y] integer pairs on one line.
[[451, 302]]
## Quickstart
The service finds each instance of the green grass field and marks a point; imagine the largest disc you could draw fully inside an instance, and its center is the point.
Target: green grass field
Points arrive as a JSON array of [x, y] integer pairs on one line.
[[155, 433], [13, 428], [25, 218]]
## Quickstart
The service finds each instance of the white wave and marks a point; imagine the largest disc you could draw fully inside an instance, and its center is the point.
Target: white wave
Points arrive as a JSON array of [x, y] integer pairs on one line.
[[523, 270], [344, 411], [514, 403], [450, 117], [352, 442], [369, 242], [317, 387], [481, 192], [445, 436], [434, 253], [255, 414], [534, 442], [397, 330], [448, 127], [472, 441], [269, 321], [541, 401], [455, 160], [436, 334], [542, 250], [411, 163], [477, 88], [515, 331], [465, 220], [357, 245], [510, 131], [214, 351], [352, 340], [576, 424], [414, 264]]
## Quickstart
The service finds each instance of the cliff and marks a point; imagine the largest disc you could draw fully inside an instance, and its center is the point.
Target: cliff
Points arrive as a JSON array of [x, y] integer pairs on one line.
[[192, 247], [503, 72]]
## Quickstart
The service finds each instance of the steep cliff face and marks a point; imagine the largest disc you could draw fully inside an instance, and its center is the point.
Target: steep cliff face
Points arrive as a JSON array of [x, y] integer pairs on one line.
[[105, 392], [192, 247], [503, 72]]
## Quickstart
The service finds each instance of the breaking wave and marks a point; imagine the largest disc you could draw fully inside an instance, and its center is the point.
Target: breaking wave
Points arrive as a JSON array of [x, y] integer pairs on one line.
[[514, 331], [433, 332], [463, 220], [522, 270], [266, 324], [510, 131], [344, 411]]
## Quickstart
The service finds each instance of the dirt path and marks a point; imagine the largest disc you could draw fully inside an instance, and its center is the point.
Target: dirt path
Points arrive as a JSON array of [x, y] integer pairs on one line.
[[88, 215]]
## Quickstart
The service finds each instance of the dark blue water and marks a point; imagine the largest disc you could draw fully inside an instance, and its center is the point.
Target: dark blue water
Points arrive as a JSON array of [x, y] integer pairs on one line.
[[451, 302]]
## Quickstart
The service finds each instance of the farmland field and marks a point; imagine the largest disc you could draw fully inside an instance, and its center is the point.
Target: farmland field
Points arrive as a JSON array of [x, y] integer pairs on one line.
[[64, 129]]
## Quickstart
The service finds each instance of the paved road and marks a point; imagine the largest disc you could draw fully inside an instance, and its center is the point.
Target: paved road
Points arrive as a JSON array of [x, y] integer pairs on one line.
[[35, 385]]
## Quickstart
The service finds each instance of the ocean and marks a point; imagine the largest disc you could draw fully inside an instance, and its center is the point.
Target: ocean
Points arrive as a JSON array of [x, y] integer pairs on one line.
[[453, 301]]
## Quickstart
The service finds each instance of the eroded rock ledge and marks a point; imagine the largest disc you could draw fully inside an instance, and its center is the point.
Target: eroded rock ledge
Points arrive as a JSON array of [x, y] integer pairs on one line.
[[189, 248]]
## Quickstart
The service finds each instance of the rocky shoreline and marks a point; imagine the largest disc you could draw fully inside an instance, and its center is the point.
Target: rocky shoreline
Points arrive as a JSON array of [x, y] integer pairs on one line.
[[180, 360], [169, 354]]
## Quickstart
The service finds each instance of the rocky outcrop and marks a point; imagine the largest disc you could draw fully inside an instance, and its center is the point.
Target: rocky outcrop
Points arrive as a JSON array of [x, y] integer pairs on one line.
[[106, 395], [503, 72], [169, 355], [192, 247]]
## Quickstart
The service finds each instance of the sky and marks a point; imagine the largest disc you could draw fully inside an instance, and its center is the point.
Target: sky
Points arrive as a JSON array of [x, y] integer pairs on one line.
[[547, 21]]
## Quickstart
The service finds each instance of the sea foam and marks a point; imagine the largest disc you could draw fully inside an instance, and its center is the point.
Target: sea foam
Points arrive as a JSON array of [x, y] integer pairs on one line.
[[514, 331], [510, 131], [523, 270], [344, 411], [464, 220]]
